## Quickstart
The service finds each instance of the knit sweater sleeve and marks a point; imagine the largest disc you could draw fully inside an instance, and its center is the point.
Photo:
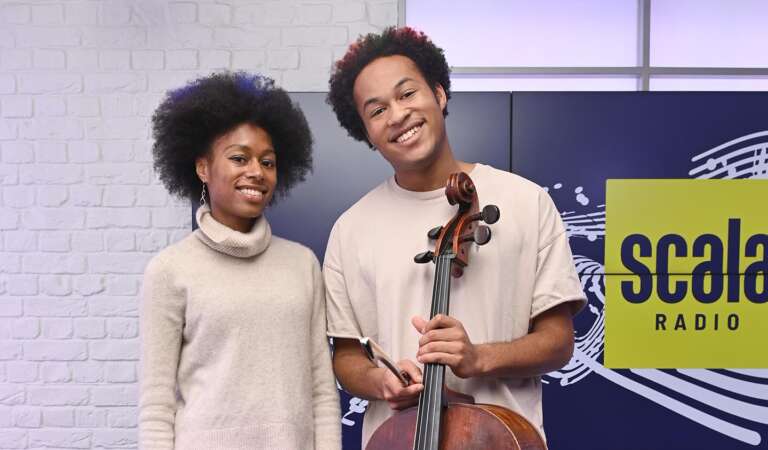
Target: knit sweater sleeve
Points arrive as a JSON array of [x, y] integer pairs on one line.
[[325, 399], [161, 319]]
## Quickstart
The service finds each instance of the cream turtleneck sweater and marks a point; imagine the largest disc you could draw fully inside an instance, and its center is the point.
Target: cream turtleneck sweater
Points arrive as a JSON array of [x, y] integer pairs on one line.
[[233, 346]]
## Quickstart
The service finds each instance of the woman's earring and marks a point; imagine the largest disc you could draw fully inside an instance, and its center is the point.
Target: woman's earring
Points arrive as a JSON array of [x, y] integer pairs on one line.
[[203, 196]]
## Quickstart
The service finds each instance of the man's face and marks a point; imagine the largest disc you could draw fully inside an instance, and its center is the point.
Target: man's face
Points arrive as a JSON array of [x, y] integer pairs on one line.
[[402, 114]]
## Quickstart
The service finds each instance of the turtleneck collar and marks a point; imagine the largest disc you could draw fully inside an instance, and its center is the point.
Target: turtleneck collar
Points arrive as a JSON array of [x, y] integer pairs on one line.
[[226, 240]]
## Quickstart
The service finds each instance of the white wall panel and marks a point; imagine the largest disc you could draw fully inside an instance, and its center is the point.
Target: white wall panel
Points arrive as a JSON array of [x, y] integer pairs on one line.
[[524, 33], [709, 33]]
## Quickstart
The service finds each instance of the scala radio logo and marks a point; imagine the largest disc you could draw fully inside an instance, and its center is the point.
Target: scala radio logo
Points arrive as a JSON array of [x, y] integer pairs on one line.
[[687, 266], [731, 402]]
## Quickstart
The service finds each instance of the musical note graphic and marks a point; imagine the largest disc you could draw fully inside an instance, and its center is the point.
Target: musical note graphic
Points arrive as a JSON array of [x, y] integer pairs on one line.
[[356, 406], [710, 397]]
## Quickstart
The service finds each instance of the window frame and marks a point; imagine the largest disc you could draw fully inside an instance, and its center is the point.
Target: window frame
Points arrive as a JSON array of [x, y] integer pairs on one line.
[[644, 71]]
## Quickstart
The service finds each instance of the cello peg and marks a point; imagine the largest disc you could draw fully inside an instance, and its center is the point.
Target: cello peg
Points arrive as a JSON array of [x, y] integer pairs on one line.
[[490, 214], [424, 257], [434, 233], [482, 235]]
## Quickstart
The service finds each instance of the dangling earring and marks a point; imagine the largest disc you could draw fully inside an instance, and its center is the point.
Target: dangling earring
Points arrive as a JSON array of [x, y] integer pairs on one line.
[[203, 196]]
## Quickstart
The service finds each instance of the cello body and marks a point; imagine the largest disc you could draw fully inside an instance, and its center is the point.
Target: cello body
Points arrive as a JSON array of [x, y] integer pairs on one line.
[[465, 426], [443, 419]]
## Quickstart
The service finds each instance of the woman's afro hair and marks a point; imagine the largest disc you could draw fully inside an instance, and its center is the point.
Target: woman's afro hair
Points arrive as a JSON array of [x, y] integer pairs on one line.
[[190, 118], [404, 41]]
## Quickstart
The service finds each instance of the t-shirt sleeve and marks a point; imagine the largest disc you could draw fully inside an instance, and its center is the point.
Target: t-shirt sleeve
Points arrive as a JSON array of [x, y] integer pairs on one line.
[[556, 278], [342, 322]]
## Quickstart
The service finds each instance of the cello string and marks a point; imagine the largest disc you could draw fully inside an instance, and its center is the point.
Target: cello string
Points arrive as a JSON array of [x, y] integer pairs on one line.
[[436, 379], [439, 370], [425, 410], [444, 307], [430, 402], [430, 419], [430, 385]]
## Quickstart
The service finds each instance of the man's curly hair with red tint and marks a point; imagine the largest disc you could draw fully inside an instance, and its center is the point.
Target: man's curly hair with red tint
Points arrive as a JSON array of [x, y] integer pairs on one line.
[[404, 41]]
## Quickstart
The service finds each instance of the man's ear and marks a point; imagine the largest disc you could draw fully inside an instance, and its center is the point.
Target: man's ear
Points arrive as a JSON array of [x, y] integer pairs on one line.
[[201, 167], [367, 137], [442, 99]]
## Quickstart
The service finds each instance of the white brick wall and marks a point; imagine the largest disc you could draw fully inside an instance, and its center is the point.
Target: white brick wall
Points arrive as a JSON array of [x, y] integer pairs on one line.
[[81, 211]]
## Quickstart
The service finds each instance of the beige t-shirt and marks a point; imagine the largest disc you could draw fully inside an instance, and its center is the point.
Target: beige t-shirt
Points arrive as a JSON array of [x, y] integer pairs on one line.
[[374, 287]]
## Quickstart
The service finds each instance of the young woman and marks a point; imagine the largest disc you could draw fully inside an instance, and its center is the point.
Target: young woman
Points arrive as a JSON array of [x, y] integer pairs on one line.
[[234, 353]]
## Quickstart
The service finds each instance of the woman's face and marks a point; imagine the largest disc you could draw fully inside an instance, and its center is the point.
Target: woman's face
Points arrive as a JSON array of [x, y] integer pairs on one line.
[[241, 173]]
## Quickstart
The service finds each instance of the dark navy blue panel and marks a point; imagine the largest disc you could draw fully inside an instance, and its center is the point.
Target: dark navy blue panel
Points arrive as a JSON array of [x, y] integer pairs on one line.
[[571, 143]]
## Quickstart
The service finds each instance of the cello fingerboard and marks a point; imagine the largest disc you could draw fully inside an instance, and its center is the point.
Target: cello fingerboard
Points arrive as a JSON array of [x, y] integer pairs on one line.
[[430, 412]]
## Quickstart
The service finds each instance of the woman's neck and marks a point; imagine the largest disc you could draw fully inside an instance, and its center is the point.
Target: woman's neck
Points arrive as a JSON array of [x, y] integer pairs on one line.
[[241, 224]]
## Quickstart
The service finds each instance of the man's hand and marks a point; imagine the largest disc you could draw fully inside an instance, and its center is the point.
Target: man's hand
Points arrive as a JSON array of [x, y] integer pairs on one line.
[[444, 340], [392, 390], [361, 378]]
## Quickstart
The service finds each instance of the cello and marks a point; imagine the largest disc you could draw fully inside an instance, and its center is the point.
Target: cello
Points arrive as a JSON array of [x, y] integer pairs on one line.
[[443, 419]]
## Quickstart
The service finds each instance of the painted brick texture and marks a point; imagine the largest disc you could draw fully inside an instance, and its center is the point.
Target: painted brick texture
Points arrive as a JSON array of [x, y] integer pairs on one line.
[[81, 211]]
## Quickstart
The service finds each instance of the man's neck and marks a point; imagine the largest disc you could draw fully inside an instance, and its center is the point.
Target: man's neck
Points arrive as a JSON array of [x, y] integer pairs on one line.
[[432, 176]]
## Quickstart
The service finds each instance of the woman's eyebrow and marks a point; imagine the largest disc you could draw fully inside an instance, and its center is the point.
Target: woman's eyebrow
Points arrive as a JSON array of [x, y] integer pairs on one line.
[[249, 149], [240, 146]]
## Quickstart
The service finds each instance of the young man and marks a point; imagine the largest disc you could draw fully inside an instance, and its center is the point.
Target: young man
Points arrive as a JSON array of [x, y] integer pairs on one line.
[[510, 318]]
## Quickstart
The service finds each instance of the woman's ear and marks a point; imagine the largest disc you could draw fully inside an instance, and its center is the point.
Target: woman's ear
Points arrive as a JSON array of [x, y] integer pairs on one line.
[[201, 167]]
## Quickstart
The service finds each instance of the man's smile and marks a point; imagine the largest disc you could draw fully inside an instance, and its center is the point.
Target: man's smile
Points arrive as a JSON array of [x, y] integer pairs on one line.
[[407, 133]]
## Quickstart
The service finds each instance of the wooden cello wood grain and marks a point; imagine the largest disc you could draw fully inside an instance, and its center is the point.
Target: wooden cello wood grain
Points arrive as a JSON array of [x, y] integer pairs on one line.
[[465, 427]]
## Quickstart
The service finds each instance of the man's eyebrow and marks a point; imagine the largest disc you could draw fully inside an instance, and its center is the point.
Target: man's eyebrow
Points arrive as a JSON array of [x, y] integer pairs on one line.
[[402, 82], [369, 101], [397, 85]]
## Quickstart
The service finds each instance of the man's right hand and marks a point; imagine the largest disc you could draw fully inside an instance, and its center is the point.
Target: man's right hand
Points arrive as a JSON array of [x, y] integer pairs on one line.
[[361, 378], [392, 390]]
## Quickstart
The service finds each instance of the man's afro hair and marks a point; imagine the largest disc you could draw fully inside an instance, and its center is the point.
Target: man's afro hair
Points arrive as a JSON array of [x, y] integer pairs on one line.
[[190, 118], [404, 41]]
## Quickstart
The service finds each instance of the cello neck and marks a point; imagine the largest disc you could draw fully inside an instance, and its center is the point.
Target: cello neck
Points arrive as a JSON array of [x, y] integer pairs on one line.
[[431, 400]]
